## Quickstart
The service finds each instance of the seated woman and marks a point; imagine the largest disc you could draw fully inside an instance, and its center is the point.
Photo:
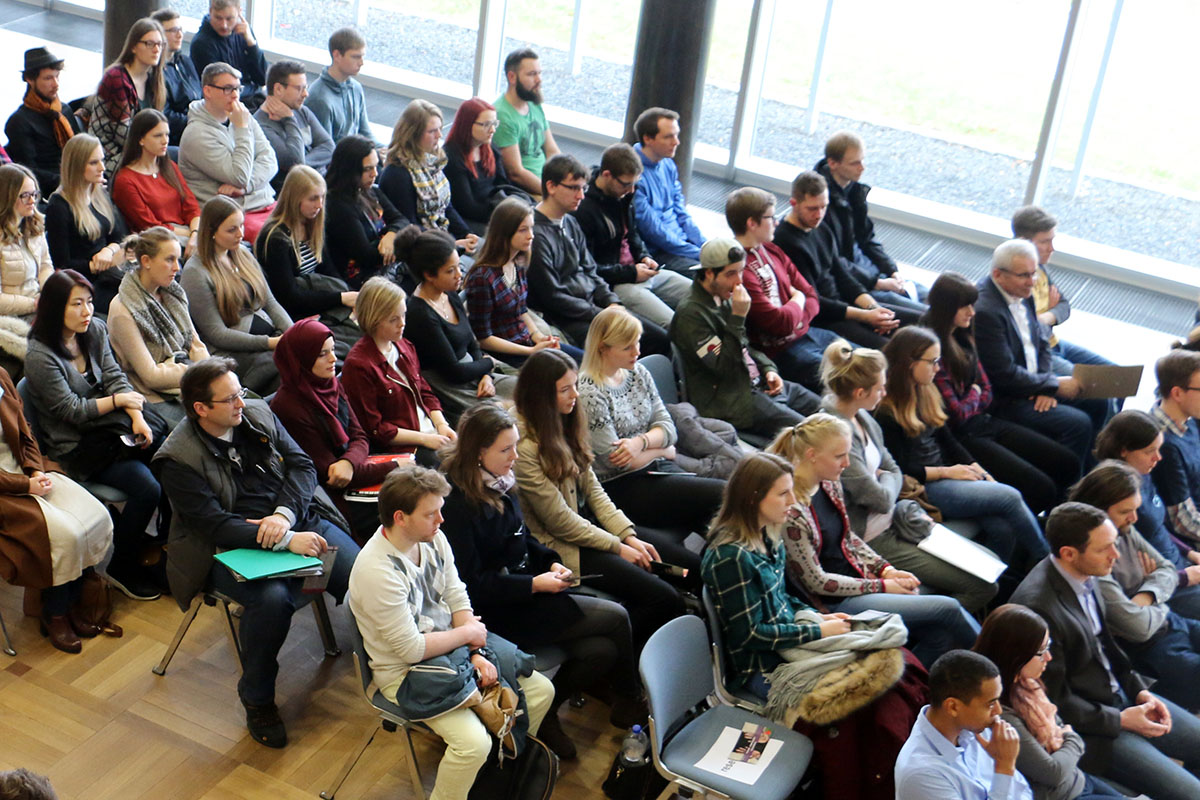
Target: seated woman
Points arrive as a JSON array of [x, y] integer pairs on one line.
[[361, 222], [83, 229], [412, 176], [229, 300], [1135, 438], [54, 532], [513, 579], [854, 384], [834, 566], [1038, 467], [478, 181], [454, 366], [291, 250], [497, 290], [567, 509], [914, 427], [394, 404], [313, 406], [632, 435], [143, 199], [1017, 641], [24, 262], [133, 82], [151, 331], [79, 392]]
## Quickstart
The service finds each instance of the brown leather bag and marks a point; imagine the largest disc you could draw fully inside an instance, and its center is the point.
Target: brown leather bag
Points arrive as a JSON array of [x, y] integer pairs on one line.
[[914, 490], [94, 606]]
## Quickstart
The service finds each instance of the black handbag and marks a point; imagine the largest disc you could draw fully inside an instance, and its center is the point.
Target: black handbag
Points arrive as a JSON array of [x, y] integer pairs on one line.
[[100, 445]]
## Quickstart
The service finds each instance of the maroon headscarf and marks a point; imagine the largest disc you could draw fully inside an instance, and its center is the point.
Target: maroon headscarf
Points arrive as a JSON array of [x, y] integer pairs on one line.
[[295, 355]]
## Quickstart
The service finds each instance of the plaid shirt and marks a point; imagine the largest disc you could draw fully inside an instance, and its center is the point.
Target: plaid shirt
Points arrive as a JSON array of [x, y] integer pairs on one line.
[[1178, 475], [494, 308], [962, 406], [756, 613]]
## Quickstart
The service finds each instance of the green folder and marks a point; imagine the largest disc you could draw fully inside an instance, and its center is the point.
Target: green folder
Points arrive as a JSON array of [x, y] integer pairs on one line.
[[253, 563]]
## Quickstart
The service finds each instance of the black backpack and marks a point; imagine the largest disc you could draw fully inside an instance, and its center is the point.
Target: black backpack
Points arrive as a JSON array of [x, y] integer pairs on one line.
[[529, 776]]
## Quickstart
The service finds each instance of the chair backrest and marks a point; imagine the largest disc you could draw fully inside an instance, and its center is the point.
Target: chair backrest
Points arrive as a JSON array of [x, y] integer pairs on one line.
[[718, 644], [663, 373], [361, 666], [676, 669], [31, 415], [680, 374]]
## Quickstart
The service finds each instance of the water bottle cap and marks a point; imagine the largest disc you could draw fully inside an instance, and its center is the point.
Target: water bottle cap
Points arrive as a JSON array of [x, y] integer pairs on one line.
[[637, 728]]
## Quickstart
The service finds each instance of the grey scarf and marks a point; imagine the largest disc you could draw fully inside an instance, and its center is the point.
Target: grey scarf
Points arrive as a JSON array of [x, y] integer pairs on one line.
[[165, 325]]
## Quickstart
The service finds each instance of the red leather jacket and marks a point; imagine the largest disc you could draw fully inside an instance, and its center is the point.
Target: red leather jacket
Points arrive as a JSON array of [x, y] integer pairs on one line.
[[384, 399]]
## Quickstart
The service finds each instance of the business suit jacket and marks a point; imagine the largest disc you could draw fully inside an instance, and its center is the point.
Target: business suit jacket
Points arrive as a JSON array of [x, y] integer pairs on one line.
[[1075, 678], [1001, 351]]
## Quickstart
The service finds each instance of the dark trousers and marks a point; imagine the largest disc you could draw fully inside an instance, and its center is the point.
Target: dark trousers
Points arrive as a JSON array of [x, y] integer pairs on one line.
[[800, 361], [681, 264], [1039, 468], [1071, 424], [143, 492], [677, 504], [1173, 656], [267, 616], [774, 413], [598, 646]]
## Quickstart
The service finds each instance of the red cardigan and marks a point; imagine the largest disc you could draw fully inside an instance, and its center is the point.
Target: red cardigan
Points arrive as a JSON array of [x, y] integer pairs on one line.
[[773, 327], [146, 202], [386, 400]]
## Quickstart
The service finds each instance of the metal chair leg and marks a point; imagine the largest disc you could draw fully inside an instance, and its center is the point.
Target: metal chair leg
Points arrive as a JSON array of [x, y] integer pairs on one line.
[[345, 773], [414, 770], [161, 669], [8, 648], [325, 627], [233, 633]]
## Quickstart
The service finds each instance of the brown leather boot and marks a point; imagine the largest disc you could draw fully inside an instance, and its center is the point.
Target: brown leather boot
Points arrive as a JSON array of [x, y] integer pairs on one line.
[[58, 630]]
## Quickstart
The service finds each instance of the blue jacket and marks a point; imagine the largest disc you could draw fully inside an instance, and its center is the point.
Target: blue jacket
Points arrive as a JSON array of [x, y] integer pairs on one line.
[[661, 212], [183, 86], [209, 46]]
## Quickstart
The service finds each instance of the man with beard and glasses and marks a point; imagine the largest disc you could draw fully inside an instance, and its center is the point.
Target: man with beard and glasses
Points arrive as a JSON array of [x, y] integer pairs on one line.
[[38, 130], [524, 137]]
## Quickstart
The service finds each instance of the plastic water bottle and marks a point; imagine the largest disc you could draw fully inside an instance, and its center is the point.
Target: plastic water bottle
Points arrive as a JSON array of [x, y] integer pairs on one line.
[[635, 750]]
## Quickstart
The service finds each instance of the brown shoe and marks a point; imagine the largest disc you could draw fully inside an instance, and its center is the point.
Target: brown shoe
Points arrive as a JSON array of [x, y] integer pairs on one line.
[[82, 628], [58, 630]]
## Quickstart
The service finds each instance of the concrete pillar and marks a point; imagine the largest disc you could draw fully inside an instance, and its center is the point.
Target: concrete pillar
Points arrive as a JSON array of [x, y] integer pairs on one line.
[[119, 16], [669, 66]]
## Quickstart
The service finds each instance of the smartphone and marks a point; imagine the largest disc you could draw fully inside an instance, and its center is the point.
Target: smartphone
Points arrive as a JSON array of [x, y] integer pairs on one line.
[[129, 440], [663, 569], [577, 579]]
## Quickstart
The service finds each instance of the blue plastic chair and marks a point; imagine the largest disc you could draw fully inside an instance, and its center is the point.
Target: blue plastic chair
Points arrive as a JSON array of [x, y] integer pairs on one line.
[[676, 669], [730, 697]]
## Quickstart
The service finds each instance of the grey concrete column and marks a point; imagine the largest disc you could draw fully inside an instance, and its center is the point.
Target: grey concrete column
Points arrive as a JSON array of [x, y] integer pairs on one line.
[[119, 16], [669, 65]]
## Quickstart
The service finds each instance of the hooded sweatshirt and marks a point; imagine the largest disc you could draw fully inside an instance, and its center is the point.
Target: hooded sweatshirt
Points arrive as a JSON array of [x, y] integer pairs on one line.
[[212, 153], [341, 108]]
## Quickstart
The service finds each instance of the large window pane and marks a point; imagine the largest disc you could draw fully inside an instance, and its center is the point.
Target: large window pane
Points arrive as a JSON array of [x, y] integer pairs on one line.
[[726, 53]]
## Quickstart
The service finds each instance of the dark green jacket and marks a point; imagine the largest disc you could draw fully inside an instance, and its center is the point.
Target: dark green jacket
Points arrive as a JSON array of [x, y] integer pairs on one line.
[[718, 380]]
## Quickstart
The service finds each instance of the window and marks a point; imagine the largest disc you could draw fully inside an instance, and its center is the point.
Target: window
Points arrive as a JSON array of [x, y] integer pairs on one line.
[[726, 52]]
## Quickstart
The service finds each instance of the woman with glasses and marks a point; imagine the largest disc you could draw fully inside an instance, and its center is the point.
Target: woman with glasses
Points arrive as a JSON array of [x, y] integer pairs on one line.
[[92, 421], [24, 262], [182, 79], [513, 579], [229, 300], [149, 188], [1040, 468], [133, 82], [1017, 641], [478, 181], [413, 177], [913, 419], [360, 221]]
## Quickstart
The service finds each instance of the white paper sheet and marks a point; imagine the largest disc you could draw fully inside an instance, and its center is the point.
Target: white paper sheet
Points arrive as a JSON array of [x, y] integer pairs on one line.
[[717, 759], [962, 553]]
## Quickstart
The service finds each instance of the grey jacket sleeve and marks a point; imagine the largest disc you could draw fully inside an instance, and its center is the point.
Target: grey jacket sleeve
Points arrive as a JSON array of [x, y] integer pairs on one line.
[[1125, 618], [285, 139], [1164, 580], [877, 494], [1052, 776]]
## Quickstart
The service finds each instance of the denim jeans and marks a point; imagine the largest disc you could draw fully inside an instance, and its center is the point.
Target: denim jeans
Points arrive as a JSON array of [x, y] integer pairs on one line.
[[935, 623], [656, 297], [800, 361], [1146, 765], [267, 616], [1172, 655], [1007, 525], [142, 490]]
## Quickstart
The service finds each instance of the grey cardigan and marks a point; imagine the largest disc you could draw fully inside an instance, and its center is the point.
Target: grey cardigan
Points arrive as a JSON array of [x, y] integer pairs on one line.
[[865, 493], [64, 398], [202, 305], [1052, 776]]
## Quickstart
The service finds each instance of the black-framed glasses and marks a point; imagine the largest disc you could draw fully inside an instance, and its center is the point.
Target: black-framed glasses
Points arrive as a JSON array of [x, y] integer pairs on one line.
[[937, 362], [29, 197], [228, 90], [151, 43], [625, 184], [574, 188], [1026, 276], [1186, 388], [233, 398]]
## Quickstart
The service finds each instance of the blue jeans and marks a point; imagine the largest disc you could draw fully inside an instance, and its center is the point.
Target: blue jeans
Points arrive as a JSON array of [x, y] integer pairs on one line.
[[1173, 657], [269, 604], [1146, 765], [1007, 525], [800, 361], [935, 623], [1072, 424], [139, 485]]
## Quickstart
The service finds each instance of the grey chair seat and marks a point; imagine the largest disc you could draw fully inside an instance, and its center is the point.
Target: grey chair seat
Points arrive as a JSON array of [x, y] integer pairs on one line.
[[782, 776]]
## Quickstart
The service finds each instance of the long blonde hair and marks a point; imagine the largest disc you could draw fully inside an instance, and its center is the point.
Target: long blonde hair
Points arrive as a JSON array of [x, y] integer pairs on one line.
[[737, 520], [81, 196], [15, 229], [814, 432], [244, 286], [612, 327], [405, 147], [301, 181]]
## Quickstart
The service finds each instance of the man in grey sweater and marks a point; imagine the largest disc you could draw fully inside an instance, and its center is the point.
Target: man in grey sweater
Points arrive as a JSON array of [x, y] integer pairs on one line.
[[295, 133]]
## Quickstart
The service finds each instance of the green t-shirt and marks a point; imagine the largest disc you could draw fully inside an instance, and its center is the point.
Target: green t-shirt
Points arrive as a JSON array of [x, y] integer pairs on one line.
[[526, 131]]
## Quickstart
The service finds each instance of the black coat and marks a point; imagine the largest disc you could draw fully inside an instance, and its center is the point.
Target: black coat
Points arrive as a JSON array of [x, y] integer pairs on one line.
[[848, 214], [31, 143], [351, 239], [183, 86], [814, 253], [563, 283], [606, 221], [1000, 349]]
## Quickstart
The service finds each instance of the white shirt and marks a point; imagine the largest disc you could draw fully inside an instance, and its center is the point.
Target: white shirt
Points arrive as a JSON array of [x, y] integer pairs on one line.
[[1020, 315]]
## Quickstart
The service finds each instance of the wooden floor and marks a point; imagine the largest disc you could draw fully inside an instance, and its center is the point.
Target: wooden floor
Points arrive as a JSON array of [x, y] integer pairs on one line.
[[101, 725]]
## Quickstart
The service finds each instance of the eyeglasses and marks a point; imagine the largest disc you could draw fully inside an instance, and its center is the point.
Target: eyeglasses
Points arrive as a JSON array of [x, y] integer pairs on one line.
[[1045, 650], [228, 90], [1025, 276], [233, 398], [29, 197], [153, 45], [935, 361], [574, 188], [1185, 388], [625, 184], [489, 125], [173, 31]]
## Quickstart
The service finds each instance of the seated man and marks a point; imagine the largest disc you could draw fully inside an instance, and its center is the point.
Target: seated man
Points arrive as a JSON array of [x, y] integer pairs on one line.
[[291, 127], [564, 286], [608, 224], [1160, 642], [946, 755], [846, 307], [1177, 477], [782, 303], [337, 98], [236, 479], [38, 130], [663, 220], [1038, 226], [182, 79], [224, 150], [1131, 735], [523, 137], [1014, 351], [849, 221], [411, 606], [725, 377], [225, 36]]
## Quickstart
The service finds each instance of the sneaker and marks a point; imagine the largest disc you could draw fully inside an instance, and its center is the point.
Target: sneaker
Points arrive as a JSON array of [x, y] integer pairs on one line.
[[264, 723], [132, 582], [554, 737]]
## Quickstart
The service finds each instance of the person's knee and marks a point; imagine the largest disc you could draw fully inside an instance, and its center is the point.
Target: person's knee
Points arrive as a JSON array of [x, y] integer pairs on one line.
[[273, 598], [469, 743]]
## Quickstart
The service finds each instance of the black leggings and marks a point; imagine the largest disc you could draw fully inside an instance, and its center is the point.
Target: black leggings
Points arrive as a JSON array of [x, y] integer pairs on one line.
[[678, 504], [599, 646], [1038, 467]]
